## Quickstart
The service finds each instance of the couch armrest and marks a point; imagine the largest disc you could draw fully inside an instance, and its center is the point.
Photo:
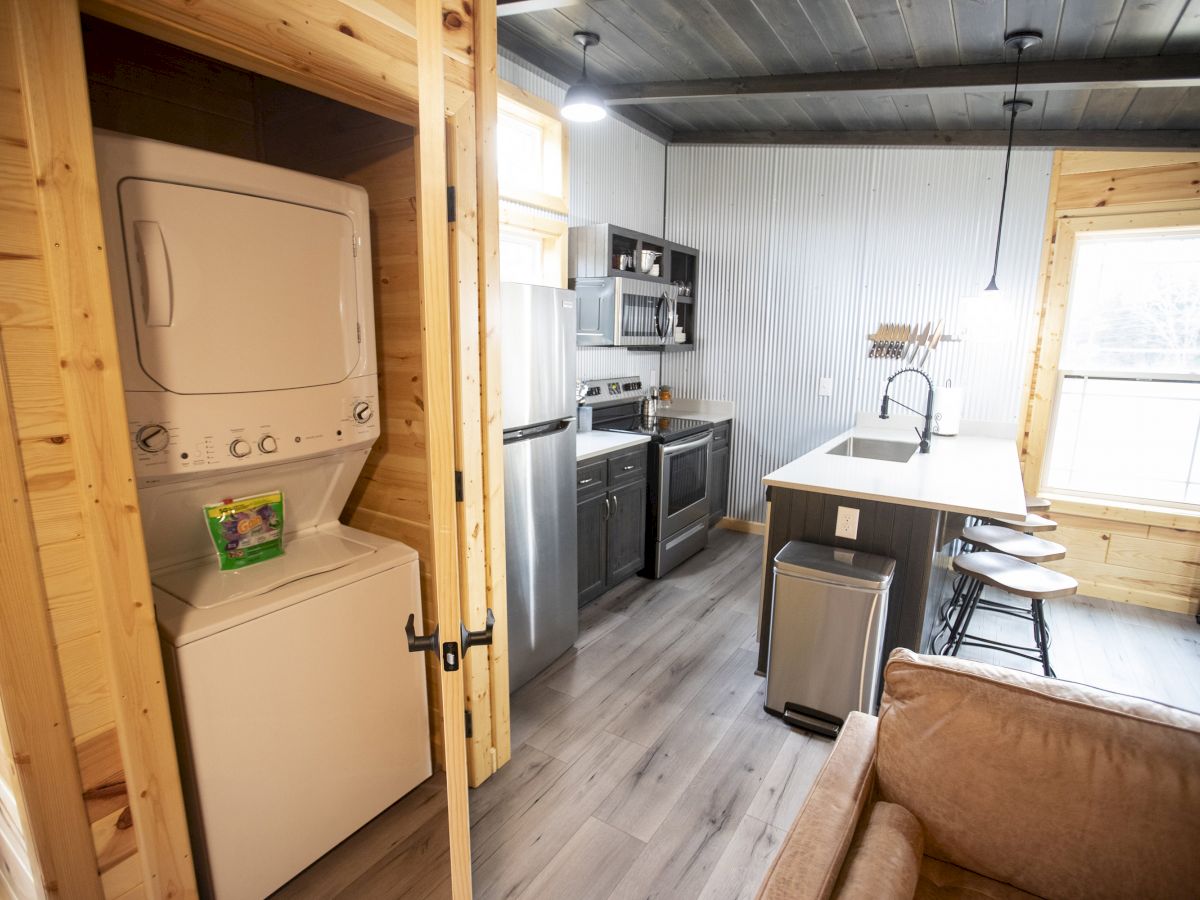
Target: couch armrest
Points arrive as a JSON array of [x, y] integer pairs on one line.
[[811, 857]]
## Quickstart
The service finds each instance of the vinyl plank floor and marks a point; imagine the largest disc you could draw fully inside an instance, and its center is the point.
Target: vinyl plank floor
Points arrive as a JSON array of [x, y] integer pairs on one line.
[[673, 783]]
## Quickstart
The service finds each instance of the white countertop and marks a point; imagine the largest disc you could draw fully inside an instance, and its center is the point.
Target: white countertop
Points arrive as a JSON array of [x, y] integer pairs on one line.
[[705, 410], [966, 473], [591, 444]]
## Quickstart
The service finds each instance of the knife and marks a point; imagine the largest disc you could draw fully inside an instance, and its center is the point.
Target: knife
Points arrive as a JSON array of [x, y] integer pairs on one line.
[[919, 342], [933, 342]]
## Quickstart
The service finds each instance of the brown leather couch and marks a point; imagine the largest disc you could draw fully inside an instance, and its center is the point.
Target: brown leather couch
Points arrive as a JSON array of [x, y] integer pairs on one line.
[[982, 782]]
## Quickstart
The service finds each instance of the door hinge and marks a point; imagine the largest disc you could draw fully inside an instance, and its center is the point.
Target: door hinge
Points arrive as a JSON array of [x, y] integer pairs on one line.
[[458, 488], [468, 715], [451, 203]]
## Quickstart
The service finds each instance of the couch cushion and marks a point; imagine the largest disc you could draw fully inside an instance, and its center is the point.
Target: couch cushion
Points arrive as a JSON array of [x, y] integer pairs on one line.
[[884, 860], [945, 881], [1058, 789]]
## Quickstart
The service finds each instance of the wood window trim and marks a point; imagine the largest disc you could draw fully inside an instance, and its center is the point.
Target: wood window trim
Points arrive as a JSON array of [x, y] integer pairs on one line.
[[544, 116], [1044, 380], [553, 233]]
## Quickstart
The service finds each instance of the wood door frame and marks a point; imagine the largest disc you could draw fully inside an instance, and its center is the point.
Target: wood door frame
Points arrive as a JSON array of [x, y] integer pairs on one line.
[[378, 62]]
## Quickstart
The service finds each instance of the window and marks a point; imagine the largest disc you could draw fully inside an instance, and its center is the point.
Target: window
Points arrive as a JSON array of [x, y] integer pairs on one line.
[[1126, 422], [532, 146]]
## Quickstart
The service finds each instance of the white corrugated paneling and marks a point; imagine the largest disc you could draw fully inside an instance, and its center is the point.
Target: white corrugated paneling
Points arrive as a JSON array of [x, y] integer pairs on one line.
[[804, 250], [617, 175]]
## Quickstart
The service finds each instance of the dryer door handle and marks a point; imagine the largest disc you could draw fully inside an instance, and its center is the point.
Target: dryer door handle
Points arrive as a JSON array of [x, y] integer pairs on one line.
[[157, 302]]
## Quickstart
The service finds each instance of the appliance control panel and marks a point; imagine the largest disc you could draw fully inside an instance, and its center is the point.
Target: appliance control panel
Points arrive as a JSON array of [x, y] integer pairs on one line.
[[603, 391], [175, 435]]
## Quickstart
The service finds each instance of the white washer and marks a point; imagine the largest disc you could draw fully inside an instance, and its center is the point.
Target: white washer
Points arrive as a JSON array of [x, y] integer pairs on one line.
[[242, 295]]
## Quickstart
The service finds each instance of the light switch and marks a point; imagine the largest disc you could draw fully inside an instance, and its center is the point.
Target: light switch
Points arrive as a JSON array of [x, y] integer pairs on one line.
[[825, 387], [847, 523]]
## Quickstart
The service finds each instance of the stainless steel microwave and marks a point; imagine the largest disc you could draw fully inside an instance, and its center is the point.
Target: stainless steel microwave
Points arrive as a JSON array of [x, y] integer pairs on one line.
[[624, 312]]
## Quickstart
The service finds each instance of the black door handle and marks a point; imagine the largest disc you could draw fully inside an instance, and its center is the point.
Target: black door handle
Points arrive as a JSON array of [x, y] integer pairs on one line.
[[477, 638], [425, 644]]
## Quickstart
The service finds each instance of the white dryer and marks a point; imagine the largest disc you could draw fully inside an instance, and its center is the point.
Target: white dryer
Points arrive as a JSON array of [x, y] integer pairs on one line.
[[242, 295]]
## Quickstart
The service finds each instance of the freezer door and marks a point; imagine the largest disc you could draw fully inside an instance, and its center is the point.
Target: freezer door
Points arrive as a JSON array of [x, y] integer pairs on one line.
[[540, 534], [232, 292], [537, 334]]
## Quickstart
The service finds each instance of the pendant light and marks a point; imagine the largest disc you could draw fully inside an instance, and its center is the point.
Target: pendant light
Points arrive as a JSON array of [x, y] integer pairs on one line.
[[584, 102], [1022, 41]]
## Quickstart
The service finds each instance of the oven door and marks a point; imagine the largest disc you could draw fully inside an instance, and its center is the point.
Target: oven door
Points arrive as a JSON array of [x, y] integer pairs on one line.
[[682, 484], [645, 312]]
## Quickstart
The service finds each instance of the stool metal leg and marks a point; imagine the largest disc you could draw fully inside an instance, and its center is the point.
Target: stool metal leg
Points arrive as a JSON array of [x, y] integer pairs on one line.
[[959, 630], [1042, 636]]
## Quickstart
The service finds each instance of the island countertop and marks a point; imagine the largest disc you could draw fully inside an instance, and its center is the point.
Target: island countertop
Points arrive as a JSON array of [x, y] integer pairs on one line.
[[966, 473]]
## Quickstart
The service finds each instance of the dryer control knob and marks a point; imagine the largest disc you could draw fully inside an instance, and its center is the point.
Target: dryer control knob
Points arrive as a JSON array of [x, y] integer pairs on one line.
[[362, 412], [152, 438], [267, 444], [240, 448]]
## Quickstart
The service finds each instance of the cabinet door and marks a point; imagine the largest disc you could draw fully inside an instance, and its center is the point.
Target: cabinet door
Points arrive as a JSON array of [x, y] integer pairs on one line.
[[626, 531], [592, 515], [718, 485]]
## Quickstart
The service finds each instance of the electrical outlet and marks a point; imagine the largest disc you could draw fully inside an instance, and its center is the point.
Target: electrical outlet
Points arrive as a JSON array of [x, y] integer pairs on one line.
[[825, 387], [847, 523]]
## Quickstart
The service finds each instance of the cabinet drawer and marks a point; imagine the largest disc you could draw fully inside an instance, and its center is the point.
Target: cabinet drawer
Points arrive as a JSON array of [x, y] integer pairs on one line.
[[627, 468], [591, 478], [721, 434]]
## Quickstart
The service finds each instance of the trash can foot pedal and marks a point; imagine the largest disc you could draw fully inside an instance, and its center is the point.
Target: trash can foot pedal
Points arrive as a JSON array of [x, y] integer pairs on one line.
[[812, 720]]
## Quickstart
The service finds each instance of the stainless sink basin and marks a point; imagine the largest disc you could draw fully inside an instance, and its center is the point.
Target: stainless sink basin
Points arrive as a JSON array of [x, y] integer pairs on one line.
[[869, 448]]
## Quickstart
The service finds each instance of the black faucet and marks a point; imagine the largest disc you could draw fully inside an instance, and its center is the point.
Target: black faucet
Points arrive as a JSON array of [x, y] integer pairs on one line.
[[883, 409]]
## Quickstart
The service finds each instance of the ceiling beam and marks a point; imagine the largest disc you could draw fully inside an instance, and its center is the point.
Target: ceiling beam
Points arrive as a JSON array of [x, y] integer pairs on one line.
[[1124, 139], [517, 7], [1069, 75]]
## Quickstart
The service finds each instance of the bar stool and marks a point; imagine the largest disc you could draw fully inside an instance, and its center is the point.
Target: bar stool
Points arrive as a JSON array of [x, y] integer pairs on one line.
[[1001, 540], [1036, 504], [1030, 522], [1017, 578]]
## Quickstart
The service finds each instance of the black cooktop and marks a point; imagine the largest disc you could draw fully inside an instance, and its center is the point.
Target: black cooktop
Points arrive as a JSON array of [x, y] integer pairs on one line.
[[662, 429]]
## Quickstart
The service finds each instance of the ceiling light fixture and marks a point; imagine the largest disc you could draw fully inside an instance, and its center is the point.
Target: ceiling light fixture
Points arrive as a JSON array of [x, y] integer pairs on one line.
[[1022, 41], [584, 102]]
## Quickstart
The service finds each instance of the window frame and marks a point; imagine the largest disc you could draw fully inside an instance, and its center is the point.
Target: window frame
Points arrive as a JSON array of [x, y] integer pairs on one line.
[[552, 234], [1048, 377], [544, 116]]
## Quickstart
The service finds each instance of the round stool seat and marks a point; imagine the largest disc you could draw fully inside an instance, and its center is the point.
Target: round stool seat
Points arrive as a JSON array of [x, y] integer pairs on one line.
[[1014, 543], [1030, 522], [1015, 576], [1036, 504]]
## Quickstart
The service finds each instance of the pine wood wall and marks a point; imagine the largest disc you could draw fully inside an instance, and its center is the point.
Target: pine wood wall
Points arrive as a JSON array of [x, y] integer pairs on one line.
[[1148, 557]]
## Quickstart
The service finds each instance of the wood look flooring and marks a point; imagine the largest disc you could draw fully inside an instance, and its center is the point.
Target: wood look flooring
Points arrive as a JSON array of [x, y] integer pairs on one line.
[[643, 764]]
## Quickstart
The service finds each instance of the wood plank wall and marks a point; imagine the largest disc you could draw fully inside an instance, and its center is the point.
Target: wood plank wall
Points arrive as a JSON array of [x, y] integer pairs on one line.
[[1151, 558]]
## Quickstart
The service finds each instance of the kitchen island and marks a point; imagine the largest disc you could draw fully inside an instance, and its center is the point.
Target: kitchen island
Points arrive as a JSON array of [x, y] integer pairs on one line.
[[907, 507]]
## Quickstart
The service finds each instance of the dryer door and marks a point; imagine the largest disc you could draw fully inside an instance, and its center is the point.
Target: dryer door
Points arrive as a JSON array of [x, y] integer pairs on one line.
[[235, 293]]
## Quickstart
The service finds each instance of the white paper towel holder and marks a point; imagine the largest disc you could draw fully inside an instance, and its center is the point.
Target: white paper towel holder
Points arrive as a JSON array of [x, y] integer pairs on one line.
[[947, 410]]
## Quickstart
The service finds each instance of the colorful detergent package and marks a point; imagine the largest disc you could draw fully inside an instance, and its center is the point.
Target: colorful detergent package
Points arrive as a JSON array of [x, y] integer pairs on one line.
[[247, 530]]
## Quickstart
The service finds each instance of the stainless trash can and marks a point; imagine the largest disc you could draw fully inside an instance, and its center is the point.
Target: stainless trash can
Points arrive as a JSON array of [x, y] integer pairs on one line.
[[826, 643]]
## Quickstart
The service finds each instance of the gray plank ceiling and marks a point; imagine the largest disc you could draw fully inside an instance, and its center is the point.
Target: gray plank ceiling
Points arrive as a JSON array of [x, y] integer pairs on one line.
[[691, 40]]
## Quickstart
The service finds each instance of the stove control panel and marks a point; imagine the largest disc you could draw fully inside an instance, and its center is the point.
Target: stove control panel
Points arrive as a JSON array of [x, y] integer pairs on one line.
[[602, 391]]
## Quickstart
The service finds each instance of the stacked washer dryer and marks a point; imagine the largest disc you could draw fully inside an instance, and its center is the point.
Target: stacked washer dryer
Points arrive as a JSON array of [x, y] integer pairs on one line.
[[244, 313]]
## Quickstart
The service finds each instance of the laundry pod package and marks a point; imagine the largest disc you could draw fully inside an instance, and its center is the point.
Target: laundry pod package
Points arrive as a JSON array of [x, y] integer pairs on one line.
[[247, 530]]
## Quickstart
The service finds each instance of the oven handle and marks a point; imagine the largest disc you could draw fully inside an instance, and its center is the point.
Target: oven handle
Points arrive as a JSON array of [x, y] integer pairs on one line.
[[672, 449]]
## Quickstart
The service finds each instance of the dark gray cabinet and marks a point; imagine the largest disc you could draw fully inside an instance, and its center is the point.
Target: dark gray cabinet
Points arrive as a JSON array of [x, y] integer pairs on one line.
[[611, 515], [718, 473]]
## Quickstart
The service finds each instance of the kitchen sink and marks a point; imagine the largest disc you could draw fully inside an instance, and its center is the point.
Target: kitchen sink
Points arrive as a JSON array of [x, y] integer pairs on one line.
[[870, 448]]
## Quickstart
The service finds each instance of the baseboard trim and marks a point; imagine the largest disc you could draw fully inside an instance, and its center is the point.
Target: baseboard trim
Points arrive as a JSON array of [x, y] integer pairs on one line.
[[742, 525]]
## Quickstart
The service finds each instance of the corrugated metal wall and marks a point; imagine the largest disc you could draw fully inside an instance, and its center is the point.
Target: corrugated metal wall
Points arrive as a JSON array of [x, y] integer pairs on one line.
[[617, 175], [806, 249]]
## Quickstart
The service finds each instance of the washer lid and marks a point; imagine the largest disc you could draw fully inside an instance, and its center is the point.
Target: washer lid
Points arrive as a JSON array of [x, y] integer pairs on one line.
[[235, 293]]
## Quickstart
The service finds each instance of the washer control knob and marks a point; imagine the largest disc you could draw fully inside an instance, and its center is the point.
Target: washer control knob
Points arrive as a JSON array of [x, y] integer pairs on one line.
[[267, 444], [152, 438], [240, 448], [362, 412]]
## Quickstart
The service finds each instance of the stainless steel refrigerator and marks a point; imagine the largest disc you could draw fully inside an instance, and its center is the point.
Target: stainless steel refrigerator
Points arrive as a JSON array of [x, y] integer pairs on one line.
[[537, 332]]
